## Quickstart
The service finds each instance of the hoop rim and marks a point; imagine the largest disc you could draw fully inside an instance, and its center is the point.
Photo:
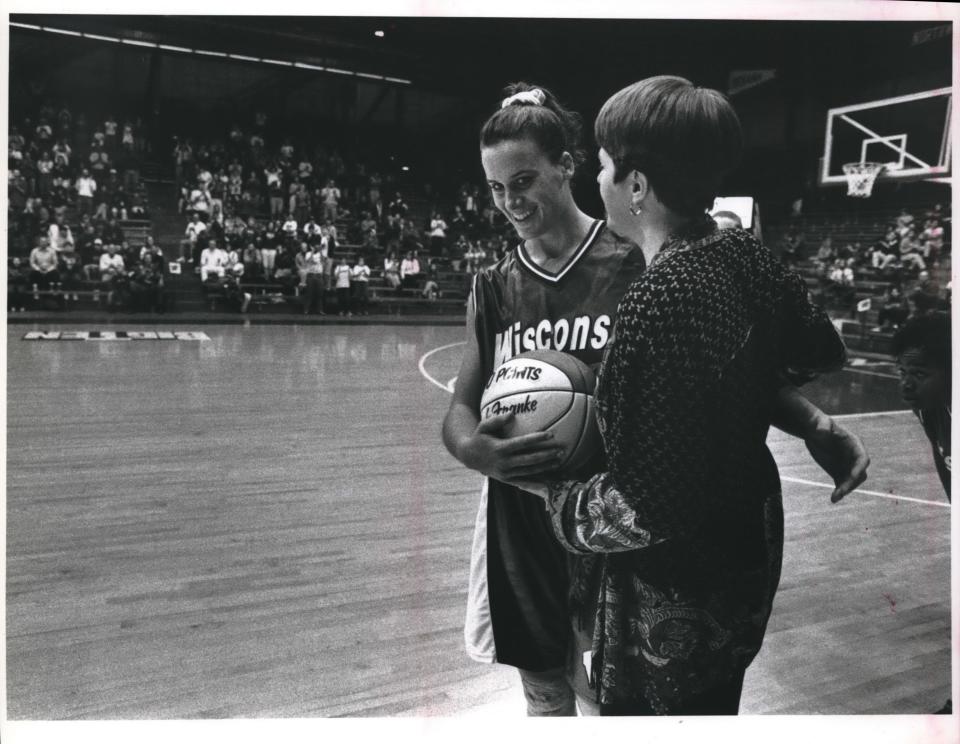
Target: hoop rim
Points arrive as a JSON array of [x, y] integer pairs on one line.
[[863, 167], [861, 176]]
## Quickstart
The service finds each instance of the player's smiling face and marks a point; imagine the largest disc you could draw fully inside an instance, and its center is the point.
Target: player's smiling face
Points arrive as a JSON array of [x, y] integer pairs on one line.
[[526, 186]]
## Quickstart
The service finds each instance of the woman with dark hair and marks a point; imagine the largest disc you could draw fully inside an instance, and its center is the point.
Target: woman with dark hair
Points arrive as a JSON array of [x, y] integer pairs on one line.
[[687, 519], [567, 266]]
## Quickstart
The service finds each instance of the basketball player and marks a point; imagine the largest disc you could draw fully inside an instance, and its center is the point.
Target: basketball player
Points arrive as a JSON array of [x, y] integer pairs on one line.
[[567, 266], [923, 351], [922, 348]]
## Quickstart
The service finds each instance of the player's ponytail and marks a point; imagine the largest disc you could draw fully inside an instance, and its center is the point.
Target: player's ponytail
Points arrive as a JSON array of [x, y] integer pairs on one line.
[[533, 112]]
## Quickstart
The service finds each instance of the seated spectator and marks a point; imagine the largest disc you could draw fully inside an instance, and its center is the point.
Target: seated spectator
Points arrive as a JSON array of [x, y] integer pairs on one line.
[[99, 161], [234, 263], [391, 270], [289, 228], [233, 293], [150, 246], [60, 235], [438, 235], [396, 213], [410, 271], [431, 286], [195, 229], [86, 188], [44, 265], [45, 174], [341, 277], [146, 285], [311, 230], [841, 282], [410, 237], [328, 235], [213, 261], [825, 255], [932, 241], [894, 310], [910, 251], [18, 279], [927, 295], [234, 226], [886, 251], [199, 201], [330, 196], [138, 206], [475, 258], [89, 248], [904, 222], [361, 280], [305, 171], [300, 203], [71, 274], [216, 216], [458, 251], [285, 271], [312, 265], [252, 262], [275, 193], [113, 275]]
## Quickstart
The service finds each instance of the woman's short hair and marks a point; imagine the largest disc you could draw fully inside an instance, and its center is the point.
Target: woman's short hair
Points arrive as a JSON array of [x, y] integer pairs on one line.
[[685, 139], [541, 118]]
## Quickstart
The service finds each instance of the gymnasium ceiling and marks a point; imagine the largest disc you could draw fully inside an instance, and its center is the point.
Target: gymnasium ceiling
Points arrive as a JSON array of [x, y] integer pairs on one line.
[[470, 55]]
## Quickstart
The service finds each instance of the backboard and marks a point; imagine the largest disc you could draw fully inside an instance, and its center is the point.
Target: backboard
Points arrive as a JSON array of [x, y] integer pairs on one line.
[[909, 134]]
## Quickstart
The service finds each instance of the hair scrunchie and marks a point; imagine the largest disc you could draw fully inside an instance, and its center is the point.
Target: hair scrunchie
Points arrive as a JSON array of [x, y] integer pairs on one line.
[[535, 97]]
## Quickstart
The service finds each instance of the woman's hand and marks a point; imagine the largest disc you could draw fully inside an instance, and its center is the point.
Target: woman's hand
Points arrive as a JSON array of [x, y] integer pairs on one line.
[[507, 459], [841, 454]]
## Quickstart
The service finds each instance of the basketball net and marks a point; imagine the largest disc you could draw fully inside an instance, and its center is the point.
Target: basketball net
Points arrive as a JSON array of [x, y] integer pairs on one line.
[[861, 177]]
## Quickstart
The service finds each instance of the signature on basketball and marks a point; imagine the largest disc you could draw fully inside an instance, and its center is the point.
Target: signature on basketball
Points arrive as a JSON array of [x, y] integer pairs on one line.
[[496, 408]]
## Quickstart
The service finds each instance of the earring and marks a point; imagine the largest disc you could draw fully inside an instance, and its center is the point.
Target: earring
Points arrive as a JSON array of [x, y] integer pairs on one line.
[[636, 210]]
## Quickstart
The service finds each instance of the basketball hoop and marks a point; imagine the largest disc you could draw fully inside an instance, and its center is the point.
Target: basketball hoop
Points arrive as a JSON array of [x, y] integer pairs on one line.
[[861, 177]]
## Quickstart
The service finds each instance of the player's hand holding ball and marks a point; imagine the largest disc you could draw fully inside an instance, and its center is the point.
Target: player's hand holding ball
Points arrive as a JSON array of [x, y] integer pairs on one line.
[[492, 451], [536, 420]]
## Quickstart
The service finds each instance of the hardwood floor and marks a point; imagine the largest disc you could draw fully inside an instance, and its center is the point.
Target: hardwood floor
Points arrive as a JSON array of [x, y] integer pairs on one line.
[[266, 525]]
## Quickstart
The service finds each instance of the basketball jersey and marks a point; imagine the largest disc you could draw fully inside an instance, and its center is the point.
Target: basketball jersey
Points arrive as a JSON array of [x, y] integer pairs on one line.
[[517, 604]]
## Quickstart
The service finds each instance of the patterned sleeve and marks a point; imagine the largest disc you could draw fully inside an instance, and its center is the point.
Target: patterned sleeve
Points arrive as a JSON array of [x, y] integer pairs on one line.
[[812, 344], [678, 329], [651, 407]]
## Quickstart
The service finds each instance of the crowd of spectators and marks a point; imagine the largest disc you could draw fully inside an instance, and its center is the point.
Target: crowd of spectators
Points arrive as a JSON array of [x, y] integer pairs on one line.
[[901, 257], [72, 178], [279, 210]]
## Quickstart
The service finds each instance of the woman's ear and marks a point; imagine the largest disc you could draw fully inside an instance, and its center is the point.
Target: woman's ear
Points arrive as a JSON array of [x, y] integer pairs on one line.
[[567, 165], [640, 189]]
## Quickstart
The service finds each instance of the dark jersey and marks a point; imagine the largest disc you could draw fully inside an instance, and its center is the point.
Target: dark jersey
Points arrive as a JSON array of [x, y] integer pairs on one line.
[[936, 425], [521, 307]]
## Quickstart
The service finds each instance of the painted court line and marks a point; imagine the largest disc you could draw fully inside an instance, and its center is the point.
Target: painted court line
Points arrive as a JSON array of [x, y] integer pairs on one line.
[[423, 371], [892, 496], [873, 414]]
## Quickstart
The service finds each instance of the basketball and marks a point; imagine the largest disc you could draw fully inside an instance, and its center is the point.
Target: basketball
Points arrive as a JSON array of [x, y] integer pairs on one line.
[[551, 391]]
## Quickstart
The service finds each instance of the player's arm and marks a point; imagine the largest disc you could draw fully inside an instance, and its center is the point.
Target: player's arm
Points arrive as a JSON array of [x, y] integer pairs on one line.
[[838, 451], [482, 446]]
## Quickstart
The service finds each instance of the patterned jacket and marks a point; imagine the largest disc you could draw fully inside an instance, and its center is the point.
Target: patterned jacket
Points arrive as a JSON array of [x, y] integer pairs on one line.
[[688, 518]]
